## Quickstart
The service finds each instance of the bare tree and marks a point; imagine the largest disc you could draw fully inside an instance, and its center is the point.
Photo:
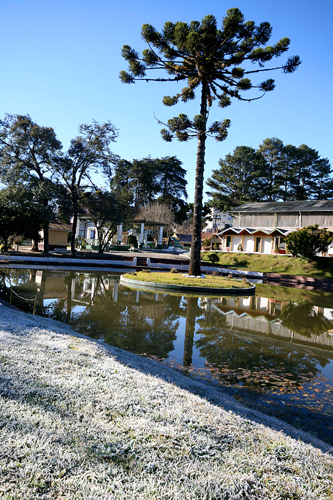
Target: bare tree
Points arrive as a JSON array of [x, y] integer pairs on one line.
[[157, 212]]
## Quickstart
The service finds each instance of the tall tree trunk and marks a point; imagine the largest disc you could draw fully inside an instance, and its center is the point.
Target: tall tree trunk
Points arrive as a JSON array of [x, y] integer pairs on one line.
[[69, 296], [101, 244], [5, 243], [34, 245], [191, 309], [194, 268], [46, 236], [40, 295], [46, 227], [73, 251]]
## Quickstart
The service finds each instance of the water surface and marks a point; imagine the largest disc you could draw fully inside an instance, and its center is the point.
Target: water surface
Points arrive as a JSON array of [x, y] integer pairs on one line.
[[272, 351]]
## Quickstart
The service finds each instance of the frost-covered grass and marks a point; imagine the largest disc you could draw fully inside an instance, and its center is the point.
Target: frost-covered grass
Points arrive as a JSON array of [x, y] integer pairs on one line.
[[78, 424]]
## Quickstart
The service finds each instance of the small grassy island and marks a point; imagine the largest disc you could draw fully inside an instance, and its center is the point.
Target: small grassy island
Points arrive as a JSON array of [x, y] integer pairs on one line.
[[184, 282]]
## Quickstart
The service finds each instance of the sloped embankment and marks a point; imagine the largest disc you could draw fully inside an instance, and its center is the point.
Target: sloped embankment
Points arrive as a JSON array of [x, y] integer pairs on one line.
[[76, 423]]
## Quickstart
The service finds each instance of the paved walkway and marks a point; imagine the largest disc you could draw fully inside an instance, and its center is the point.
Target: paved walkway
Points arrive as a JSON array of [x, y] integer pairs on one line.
[[109, 255]]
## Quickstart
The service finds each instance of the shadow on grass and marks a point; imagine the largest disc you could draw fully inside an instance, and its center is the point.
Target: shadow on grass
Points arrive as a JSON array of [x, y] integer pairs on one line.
[[325, 264]]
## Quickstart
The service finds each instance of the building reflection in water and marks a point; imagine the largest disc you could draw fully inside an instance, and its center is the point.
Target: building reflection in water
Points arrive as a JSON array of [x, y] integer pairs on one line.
[[141, 321], [281, 341], [282, 319]]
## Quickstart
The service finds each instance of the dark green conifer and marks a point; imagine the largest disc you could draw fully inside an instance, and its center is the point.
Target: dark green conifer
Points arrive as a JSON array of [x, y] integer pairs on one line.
[[207, 59]]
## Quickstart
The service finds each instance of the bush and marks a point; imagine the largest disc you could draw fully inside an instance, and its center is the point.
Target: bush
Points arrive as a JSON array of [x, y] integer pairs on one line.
[[308, 242], [18, 240], [132, 241], [216, 246], [206, 242], [213, 258]]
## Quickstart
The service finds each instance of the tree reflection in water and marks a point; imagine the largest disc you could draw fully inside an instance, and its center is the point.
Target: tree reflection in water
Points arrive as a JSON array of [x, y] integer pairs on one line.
[[192, 311], [144, 322], [146, 327], [305, 319], [258, 363], [249, 345]]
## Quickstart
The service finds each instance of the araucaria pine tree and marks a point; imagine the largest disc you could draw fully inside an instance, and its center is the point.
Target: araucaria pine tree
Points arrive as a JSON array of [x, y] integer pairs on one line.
[[207, 59]]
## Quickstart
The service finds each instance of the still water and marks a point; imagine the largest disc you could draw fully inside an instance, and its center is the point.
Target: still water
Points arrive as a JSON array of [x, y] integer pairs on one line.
[[272, 351]]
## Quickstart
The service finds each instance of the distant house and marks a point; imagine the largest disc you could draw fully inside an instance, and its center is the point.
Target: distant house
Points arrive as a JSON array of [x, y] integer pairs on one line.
[[58, 236], [217, 220], [262, 227], [184, 240]]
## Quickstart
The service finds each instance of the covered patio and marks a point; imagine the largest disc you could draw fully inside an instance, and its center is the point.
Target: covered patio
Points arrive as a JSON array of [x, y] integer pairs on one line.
[[140, 228]]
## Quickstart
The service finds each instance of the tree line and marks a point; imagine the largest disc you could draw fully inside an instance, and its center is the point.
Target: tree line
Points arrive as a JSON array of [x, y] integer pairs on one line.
[[142, 182], [43, 183], [273, 172]]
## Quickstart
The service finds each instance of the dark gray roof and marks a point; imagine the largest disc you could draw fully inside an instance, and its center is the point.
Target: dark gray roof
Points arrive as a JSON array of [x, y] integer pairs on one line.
[[286, 206], [184, 237]]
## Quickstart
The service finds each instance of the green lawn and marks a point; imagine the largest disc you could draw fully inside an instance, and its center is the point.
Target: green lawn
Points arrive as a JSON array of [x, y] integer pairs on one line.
[[178, 279], [281, 264]]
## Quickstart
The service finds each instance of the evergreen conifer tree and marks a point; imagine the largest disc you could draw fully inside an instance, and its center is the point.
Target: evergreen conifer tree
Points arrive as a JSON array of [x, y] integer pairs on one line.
[[208, 59]]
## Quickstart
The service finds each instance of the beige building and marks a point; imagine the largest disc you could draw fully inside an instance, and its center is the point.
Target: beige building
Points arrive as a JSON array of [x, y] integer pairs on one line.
[[58, 236], [262, 227]]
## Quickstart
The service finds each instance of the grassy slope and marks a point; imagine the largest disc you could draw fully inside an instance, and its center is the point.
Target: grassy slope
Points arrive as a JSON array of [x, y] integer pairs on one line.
[[281, 264], [77, 424]]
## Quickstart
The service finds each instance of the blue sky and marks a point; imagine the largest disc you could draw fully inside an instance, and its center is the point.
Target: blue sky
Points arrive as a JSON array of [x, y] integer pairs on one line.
[[60, 62]]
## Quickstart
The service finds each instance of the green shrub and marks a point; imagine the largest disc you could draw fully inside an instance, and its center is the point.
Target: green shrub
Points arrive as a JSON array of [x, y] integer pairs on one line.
[[206, 242], [216, 246], [132, 241], [213, 258], [18, 240], [308, 242]]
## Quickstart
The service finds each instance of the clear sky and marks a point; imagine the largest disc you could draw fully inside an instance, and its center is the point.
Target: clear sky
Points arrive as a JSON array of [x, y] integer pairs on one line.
[[60, 62]]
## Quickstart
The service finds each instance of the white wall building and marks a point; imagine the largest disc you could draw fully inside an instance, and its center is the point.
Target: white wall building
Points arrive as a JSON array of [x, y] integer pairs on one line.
[[216, 221], [263, 227]]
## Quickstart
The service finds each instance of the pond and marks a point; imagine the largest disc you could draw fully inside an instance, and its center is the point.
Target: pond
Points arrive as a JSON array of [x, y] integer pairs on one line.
[[272, 351]]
